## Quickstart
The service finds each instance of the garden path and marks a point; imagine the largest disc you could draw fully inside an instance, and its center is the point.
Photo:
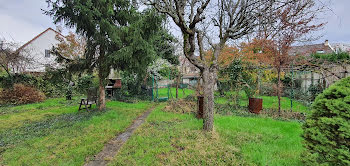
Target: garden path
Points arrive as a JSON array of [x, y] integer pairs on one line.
[[113, 146]]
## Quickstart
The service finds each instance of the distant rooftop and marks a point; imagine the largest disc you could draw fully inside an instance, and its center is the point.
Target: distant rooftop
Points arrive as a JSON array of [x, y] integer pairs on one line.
[[307, 50]]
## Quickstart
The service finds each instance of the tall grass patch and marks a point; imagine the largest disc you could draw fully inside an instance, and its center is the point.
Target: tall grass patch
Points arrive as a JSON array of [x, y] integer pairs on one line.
[[177, 139], [69, 138]]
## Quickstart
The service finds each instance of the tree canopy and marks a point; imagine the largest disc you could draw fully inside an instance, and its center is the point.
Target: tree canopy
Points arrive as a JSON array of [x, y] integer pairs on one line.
[[117, 35]]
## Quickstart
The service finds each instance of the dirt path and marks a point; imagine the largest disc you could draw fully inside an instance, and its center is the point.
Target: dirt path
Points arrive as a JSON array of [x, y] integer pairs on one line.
[[113, 146]]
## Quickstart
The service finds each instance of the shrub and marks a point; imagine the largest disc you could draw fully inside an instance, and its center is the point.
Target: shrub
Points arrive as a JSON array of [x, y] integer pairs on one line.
[[327, 129], [50, 84], [314, 90], [267, 89], [21, 94], [84, 83], [7, 81]]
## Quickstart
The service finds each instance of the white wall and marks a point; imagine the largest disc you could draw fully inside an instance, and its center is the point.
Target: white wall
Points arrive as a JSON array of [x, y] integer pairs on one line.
[[36, 51]]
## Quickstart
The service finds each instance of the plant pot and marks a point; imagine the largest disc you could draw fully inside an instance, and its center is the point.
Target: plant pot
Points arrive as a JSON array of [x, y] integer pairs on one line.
[[255, 105], [200, 103]]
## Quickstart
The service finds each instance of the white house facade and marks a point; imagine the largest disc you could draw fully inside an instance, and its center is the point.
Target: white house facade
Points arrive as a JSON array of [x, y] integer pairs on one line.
[[38, 50]]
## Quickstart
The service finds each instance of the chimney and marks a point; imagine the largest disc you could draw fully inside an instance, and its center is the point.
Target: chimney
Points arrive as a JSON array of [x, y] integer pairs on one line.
[[326, 43]]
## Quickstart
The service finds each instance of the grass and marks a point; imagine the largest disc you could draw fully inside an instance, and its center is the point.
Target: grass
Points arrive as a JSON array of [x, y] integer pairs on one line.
[[16, 116], [269, 102], [263, 141], [163, 92], [49, 103], [55, 133], [177, 139], [58, 134]]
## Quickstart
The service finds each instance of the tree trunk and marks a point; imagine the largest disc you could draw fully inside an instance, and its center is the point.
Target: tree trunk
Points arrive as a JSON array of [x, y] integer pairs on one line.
[[278, 89], [220, 89], [101, 96], [236, 98], [102, 74], [177, 86], [209, 77], [258, 79]]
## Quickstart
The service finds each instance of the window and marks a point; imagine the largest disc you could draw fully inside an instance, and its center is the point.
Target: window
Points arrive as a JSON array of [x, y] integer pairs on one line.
[[47, 53]]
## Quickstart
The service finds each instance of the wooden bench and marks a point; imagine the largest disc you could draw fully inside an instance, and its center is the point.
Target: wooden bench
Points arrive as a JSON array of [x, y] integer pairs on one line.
[[91, 99]]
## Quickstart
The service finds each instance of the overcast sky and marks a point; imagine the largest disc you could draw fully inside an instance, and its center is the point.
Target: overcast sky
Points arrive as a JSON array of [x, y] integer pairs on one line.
[[21, 20]]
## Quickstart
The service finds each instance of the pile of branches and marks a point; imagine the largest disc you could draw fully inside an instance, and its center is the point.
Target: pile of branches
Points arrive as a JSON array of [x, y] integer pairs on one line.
[[181, 106]]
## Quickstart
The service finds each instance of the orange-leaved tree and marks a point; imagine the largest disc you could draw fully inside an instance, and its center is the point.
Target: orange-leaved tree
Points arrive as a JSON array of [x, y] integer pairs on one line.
[[226, 56], [258, 52]]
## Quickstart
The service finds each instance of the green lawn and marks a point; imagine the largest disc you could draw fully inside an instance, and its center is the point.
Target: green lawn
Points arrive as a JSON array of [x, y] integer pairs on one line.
[[163, 92], [16, 116], [263, 141], [55, 133], [269, 102], [177, 139], [49, 103]]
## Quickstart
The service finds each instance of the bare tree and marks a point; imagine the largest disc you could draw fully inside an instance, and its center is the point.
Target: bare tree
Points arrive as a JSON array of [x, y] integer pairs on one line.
[[292, 22], [213, 23], [13, 60]]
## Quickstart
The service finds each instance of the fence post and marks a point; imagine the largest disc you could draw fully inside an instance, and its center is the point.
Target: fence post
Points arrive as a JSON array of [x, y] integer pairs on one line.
[[291, 92], [152, 87], [156, 89], [169, 84]]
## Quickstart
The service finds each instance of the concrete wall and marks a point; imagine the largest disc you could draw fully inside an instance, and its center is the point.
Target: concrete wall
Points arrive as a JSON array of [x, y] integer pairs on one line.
[[329, 78]]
